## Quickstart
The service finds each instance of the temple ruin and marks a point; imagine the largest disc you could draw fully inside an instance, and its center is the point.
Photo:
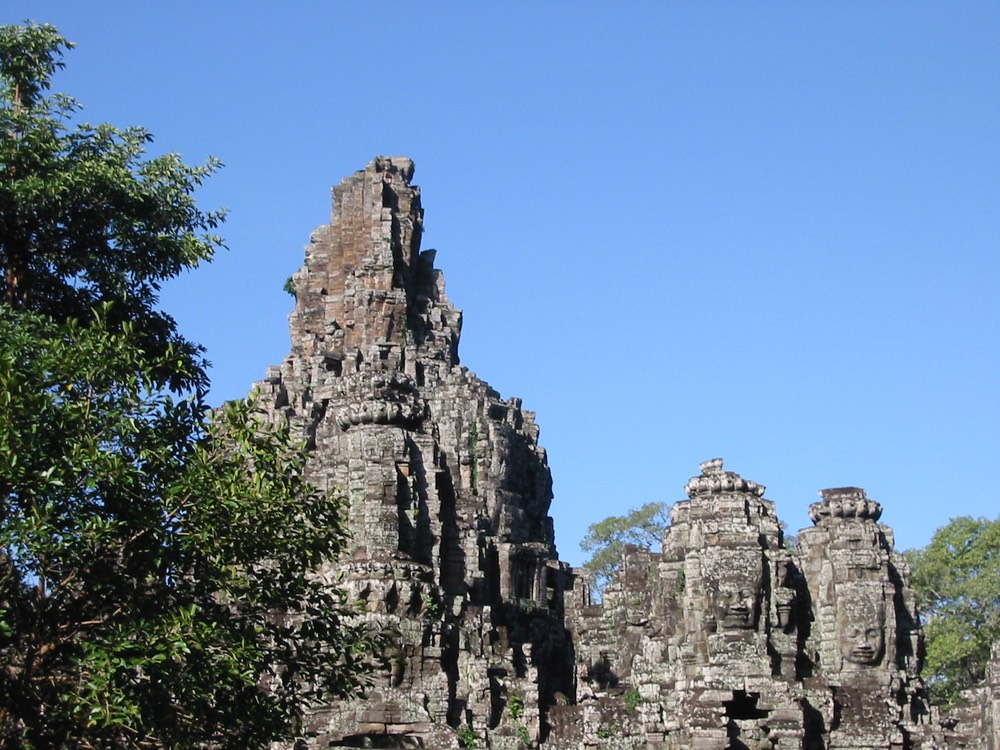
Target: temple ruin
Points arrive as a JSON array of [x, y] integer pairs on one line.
[[726, 638]]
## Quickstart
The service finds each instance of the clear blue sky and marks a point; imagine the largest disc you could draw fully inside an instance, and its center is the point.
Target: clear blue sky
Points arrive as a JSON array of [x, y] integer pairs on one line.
[[762, 231]]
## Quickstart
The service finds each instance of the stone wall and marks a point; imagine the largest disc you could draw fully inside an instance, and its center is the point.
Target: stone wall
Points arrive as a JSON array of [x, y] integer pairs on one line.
[[724, 639]]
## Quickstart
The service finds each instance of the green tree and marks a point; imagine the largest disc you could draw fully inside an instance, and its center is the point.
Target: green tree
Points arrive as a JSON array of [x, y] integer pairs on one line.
[[606, 540], [85, 217], [957, 582], [156, 559]]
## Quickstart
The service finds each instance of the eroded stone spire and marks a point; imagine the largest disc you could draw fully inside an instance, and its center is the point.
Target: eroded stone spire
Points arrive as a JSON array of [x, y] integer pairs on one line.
[[366, 291], [448, 489]]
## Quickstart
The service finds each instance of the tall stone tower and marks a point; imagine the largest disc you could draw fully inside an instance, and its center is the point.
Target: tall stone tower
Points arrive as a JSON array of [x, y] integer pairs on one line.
[[864, 640], [448, 488]]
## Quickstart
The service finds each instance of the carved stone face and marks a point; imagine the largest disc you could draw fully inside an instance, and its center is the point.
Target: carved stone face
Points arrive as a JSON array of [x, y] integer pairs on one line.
[[738, 585], [861, 626], [739, 604]]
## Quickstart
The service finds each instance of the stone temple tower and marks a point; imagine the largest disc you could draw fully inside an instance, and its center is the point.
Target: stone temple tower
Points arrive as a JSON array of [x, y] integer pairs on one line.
[[448, 488], [864, 643]]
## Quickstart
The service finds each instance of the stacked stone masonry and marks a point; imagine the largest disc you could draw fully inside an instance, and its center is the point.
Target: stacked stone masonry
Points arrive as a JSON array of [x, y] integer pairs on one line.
[[724, 639]]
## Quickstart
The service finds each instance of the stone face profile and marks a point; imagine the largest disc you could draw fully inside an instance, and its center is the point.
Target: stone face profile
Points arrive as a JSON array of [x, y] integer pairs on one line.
[[725, 638]]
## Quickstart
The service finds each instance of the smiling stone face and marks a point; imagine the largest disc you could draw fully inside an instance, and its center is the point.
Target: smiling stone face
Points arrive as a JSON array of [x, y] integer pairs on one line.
[[862, 644], [739, 604], [861, 625], [737, 588]]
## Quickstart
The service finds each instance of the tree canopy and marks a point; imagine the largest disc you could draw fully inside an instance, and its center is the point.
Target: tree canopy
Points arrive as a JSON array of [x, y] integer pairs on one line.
[[606, 539], [156, 557], [957, 582], [85, 217]]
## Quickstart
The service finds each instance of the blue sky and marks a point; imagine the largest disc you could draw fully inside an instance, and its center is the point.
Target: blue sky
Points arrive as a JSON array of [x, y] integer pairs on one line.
[[762, 231]]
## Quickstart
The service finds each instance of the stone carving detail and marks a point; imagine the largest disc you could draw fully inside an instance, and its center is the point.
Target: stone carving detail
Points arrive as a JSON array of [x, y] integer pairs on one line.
[[846, 502], [861, 625], [726, 638]]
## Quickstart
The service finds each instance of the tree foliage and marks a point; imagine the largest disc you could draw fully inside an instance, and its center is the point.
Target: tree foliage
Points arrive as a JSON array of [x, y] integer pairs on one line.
[[85, 217], [957, 582], [155, 557], [606, 540]]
